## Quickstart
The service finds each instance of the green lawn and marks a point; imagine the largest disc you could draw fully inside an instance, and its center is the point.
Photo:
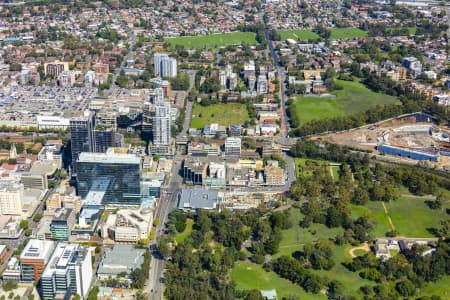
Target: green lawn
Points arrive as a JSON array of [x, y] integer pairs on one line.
[[308, 109], [212, 41], [347, 33], [411, 30], [295, 237], [335, 170], [359, 252], [301, 34], [438, 288], [411, 216], [374, 210], [224, 114], [187, 231], [248, 276], [353, 98], [301, 162]]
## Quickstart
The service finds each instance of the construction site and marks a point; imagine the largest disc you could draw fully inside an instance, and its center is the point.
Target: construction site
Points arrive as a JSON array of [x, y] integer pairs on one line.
[[411, 137]]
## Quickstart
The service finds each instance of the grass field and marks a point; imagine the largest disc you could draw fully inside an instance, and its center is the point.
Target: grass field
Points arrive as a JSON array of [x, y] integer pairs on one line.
[[187, 231], [224, 114], [411, 216], [250, 276], [347, 33], [353, 98], [374, 210], [411, 30], [359, 252], [301, 34], [438, 288], [308, 108], [212, 41], [295, 237]]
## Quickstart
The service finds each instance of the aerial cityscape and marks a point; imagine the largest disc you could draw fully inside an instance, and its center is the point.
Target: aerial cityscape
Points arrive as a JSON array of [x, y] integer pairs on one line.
[[211, 149]]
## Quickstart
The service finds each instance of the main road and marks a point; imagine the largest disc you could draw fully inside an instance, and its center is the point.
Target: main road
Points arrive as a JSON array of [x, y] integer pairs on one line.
[[168, 202], [281, 76]]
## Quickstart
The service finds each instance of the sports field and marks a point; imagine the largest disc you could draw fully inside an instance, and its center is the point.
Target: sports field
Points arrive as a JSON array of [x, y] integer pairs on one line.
[[212, 41], [353, 98], [221, 113], [301, 34], [347, 33]]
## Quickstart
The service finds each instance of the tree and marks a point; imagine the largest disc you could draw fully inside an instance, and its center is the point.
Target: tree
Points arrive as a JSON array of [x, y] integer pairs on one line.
[[15, 67], [93, 293], [406, 288], [24, 224], [37, 217], [162, 243], [9, 285], [180, 82], [254, 295]]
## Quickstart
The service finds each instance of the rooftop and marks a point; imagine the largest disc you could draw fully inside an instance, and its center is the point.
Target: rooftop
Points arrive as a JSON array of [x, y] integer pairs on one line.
[[198, 198], [109, 157], [62, 256], [62, 214], [37, 249], [10, 185], [121, 258]]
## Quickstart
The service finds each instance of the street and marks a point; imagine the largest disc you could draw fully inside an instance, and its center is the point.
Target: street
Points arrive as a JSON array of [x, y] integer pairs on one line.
[[168, 202]]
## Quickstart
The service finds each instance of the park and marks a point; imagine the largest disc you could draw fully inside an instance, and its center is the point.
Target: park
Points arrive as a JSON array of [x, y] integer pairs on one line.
[[213, 41], [353, 98], [221, 113]]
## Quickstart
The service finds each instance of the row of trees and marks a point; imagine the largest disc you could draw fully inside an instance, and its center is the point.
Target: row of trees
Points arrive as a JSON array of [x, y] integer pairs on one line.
[[140, 275]]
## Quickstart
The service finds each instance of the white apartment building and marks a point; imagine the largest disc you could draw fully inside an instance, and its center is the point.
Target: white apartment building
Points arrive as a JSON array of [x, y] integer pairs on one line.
[[11, 197]]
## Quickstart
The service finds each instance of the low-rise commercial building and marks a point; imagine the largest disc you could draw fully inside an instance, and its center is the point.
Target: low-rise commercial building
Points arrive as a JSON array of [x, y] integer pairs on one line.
[[192, 199], [34, 258], [128, 226], [120, 259]]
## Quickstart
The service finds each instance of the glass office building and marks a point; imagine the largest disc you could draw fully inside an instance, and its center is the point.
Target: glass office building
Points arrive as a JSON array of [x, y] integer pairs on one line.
[[122, 170]]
